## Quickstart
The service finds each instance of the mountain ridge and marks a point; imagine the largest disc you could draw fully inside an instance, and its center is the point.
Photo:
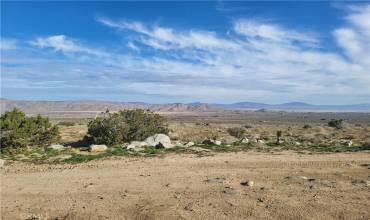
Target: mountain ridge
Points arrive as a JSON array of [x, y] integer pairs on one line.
[[95, 105]]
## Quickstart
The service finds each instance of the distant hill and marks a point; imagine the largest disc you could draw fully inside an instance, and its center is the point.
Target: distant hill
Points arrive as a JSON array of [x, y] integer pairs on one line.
[[97, 106], [34, 107], [299, 106]]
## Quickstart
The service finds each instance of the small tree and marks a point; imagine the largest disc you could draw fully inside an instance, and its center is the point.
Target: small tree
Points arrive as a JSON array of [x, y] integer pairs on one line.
[[236, 132], [336, 123], [18, 130], [126, 125]]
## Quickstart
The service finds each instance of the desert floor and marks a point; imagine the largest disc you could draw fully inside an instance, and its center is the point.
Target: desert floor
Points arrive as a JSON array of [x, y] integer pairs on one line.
[[287, 185]]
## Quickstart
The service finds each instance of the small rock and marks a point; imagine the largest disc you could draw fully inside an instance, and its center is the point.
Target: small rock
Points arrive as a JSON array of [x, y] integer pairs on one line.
[[346, 142], [57, 147], [247, 183], [230, 191], [98, 148], [189, 144], [134, 145], [245, 140], [189, 207], [60, 157], [179, 144], [211, 142], [2, 163], [177, 195]]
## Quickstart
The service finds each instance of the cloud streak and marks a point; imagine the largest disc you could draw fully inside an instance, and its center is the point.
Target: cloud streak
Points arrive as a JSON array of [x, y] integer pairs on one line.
[[254, 61]]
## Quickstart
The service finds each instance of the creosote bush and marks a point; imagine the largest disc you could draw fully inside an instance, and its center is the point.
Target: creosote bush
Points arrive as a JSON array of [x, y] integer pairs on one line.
[[126, 125], [336, 123], [236, 132], [19, 131]]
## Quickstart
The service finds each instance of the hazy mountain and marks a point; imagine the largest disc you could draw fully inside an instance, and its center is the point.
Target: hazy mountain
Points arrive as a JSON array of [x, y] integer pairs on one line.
[[98, 106]]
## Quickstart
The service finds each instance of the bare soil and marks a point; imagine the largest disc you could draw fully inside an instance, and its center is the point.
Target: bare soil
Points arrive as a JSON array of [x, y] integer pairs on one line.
[[287, 185]]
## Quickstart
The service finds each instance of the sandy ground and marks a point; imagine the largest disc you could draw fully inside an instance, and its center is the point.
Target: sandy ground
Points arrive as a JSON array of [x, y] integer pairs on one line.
[[186, 186]]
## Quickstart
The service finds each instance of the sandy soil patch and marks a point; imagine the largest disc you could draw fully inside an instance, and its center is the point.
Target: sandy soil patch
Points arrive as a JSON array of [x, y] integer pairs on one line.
[[185, 186]]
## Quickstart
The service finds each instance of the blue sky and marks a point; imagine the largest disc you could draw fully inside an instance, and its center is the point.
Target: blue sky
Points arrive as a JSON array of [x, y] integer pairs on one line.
[[221, 52]]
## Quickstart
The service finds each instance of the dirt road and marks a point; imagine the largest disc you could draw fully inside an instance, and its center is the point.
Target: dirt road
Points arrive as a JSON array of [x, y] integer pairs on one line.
[[186, 186]]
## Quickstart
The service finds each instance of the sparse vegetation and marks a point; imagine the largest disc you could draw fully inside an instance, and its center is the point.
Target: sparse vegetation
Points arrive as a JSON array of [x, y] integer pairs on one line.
[[336, 123], [124, 126], [66, 123], [237, 132], [19, 131]]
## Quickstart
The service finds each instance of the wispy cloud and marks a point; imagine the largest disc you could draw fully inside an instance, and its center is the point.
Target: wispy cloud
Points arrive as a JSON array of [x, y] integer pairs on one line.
[[65, 45], [8, 44], [355, 37], [168, 38], [255, 61], [273, 32]]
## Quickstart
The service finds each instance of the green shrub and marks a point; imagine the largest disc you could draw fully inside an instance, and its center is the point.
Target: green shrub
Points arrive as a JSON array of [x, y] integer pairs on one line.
[[19, 131], [307, 126], [126, 125], [336, 123], [236, 132]]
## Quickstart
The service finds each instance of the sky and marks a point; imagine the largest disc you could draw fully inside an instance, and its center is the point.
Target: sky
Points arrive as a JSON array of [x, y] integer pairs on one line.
[[159, 52]]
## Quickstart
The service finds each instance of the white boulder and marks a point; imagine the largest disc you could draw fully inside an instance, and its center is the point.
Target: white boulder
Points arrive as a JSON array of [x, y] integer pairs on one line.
[[159, 141], [98, 148]]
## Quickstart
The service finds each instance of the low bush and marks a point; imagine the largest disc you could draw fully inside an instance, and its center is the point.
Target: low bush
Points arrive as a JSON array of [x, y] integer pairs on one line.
[[236, 132], [336, 123], [125, 126], [19, 131]]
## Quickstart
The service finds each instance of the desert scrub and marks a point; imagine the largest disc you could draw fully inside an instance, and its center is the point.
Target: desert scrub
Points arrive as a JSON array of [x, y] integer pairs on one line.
[[336, 123], [20, 131], [125, 126], [237, 132]]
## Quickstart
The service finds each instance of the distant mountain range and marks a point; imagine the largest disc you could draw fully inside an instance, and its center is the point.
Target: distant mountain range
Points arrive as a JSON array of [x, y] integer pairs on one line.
[[98, 106], [297, 106]]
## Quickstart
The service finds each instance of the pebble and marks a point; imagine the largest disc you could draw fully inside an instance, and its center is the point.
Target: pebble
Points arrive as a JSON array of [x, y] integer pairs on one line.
[[247, 183]]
